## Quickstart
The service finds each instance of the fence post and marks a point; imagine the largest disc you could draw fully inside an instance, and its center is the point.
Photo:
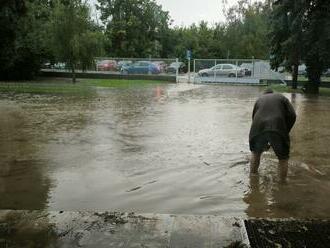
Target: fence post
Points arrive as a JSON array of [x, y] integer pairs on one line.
[[252, 66], [236, 67], [177, 70], [215, 73], [194, 67], [188, 70]]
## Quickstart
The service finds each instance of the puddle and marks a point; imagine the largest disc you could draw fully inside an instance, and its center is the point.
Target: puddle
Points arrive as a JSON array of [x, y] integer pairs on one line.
[[172, 149]]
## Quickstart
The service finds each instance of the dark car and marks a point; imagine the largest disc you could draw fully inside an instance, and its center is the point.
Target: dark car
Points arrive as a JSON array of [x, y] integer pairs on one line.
[[140, 67], [176, 65], [247, 68], [106, 65]]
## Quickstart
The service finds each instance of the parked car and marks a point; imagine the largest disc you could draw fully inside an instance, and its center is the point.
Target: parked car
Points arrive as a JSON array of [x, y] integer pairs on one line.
[[140, 67], [106, 65], [59, 66], [46, 65], [247, 67], [302, 70], [161, 65], [326, 73], [228, 70], [176, 65], [122, 63]]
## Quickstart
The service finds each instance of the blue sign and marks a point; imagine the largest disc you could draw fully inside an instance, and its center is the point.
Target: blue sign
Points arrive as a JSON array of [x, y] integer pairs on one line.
[[188, 54]]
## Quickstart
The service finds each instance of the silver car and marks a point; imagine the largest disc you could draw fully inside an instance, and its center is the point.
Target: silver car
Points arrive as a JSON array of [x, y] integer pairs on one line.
[[227, 70]]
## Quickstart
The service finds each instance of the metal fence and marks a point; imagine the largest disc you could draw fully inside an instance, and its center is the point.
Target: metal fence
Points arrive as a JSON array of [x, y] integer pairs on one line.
[[233, 71], [128, 66], [201, 70]]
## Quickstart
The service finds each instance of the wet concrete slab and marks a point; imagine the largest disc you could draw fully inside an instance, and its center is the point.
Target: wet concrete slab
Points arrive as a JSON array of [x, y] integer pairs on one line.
[[114, 229]]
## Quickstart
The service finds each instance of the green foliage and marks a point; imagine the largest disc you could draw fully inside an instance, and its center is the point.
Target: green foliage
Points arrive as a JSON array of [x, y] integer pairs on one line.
[[21, 44], [134, 28], [317, 39], [300, 31], [247, 28], [244, 35], [286, 34], [73, 39], [48, 88]]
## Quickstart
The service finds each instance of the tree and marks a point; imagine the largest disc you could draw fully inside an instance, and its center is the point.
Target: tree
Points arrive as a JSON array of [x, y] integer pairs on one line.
[[247, 29], [21, 46], [301, 32], [134, 28], [286, 35], [317, 42], [73, 39]]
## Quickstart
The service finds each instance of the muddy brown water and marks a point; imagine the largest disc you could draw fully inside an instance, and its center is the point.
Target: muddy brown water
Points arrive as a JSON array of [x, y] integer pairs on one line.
[[180, 149]]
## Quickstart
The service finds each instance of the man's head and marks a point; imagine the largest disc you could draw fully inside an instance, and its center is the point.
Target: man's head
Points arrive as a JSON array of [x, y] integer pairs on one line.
[[268, 91]]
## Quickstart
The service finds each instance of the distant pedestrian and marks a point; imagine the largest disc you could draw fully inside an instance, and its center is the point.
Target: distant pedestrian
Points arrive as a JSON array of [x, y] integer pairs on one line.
[[272, 120]]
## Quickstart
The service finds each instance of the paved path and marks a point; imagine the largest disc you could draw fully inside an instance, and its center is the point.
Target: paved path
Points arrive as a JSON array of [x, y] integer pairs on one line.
[[107, 229]]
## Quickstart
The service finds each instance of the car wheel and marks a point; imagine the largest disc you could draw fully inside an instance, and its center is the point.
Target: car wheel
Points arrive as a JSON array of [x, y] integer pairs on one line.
[[231, 75], [124, 72]]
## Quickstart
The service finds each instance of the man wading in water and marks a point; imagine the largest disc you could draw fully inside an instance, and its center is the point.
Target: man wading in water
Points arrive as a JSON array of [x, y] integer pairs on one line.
[[272, 119]]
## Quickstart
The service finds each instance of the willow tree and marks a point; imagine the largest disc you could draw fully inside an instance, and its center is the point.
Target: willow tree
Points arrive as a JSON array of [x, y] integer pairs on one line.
[[73, 40]]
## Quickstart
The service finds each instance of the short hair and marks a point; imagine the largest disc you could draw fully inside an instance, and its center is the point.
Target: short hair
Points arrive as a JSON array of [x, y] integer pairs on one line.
[[268, 91]]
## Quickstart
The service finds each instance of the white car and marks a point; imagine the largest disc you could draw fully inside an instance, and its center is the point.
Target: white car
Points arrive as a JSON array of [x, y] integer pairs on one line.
[[228, 70]]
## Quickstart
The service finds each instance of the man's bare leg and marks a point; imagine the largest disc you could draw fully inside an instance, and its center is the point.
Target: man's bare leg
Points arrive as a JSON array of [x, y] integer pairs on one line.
[[283, 169], [254, 163]]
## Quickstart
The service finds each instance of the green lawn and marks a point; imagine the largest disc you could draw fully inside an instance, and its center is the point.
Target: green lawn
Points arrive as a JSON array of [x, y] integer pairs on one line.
[[65, 86], [119, 83], [305, 79]]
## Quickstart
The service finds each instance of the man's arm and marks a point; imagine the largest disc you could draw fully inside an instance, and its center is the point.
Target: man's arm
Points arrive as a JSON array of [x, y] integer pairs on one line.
[[290, 115], [255, 108]]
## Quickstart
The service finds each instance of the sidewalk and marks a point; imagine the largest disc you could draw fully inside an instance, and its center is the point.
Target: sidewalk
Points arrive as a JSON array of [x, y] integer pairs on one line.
[[105, 229], [113, 229]]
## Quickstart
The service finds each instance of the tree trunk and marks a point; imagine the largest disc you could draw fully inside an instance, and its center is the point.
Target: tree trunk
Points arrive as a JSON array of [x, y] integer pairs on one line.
[[73, 74], [295, 76]]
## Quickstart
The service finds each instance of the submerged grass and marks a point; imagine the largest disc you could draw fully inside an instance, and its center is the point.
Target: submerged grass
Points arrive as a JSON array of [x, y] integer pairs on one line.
[[120, 83], [65, 86], [45, 88]]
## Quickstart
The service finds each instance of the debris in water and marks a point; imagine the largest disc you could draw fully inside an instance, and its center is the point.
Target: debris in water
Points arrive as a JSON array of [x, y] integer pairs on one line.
[[113, 217], [242, 162], [134, 189], [236, 244]]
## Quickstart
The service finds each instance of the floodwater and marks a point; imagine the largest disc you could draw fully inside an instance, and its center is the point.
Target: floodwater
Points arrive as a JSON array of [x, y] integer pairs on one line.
[[180, 149]]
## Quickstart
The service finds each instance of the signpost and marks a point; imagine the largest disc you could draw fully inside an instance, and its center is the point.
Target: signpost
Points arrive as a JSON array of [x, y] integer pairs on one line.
[[189, 59]]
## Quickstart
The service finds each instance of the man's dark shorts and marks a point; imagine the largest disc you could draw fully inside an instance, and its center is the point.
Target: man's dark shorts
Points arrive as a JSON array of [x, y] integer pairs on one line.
[[280, 145]]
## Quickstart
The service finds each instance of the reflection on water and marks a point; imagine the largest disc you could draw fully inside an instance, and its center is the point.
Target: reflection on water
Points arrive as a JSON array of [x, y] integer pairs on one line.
[[162, 148]]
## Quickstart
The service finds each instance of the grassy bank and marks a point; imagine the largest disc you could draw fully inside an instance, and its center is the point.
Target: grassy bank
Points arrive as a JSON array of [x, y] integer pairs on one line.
[[120, 83], [65, 86], [305, 79]]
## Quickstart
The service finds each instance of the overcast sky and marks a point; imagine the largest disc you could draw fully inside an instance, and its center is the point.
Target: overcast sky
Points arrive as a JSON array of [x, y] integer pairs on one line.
[[186, 12]]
